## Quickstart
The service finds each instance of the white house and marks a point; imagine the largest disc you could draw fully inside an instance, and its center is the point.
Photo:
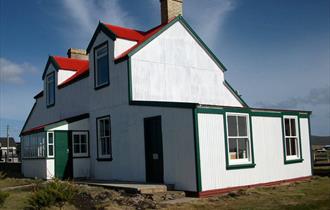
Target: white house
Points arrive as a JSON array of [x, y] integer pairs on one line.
[[154, 106], [8, 151]]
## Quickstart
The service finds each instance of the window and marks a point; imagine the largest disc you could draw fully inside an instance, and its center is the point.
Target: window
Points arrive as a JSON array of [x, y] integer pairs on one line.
[[101, 65], [104, 138], [80, 144], [238, 140], [33, 145], [50, 89], [50, 141], [291, 138]]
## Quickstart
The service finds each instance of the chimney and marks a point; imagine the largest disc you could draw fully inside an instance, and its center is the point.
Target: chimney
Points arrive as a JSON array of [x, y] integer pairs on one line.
[[170, 9], [77, 54]]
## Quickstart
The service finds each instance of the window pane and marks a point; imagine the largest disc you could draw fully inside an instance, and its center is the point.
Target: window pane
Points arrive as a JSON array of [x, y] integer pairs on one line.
[[293, 143], [51, 150], [287, 127], [287, 144], [76, 148], [293, 127], [102, 70], [50, 138], [242, 126], [232, 126], [243, 148], [83, 148], [102, 51], [101, 128], [107, 127], [76, 139], [233, 148], [83, 139], [103, 148]]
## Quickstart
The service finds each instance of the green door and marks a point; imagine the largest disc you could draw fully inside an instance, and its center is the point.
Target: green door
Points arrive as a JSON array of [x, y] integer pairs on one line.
[[63, 166]]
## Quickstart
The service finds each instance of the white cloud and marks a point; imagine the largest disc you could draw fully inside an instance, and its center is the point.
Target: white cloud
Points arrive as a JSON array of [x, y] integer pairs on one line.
[[13, 73], [208, 17], [82, 17]]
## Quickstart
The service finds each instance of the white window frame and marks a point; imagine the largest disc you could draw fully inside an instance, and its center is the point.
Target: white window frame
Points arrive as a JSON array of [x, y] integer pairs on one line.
[[99, 141], [96, 57], [249, 152], [298, 155], [80, 154], [50, 144], [48, 81]]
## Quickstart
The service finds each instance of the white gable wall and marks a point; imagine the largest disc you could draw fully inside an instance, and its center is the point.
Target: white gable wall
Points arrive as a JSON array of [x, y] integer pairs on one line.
[[175, 68], [121, 45], [63, 75]]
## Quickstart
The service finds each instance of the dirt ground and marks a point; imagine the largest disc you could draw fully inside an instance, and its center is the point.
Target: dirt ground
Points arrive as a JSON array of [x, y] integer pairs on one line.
[[311, 194]]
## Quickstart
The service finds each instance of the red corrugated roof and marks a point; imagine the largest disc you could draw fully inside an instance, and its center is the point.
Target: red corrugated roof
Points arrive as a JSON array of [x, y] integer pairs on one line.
[[81, 67], [134, 35]]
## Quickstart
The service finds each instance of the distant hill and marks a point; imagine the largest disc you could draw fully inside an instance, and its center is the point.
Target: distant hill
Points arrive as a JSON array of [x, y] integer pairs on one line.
[[320, 140]]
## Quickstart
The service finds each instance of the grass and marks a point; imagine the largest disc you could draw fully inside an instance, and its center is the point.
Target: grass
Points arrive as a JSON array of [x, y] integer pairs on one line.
[[305, 195], [12, 182]]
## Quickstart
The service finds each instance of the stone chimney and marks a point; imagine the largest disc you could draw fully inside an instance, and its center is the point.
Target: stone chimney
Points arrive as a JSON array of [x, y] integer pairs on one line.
[[77, 54], [170, 9]]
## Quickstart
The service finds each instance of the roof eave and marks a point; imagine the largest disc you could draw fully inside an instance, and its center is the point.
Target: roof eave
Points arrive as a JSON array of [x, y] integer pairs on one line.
[[105, 30]]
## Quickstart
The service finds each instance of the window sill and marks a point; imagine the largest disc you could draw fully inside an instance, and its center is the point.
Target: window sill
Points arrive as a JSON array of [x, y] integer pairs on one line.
[[50, 105], [102, 86], [104, 159], [293, 161], [33, 158], [79, 157], [240, 166]]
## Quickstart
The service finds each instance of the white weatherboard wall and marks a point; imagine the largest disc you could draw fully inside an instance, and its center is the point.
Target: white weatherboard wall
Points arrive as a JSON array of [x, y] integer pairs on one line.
[[121, 45], [268, 154], [34, 168], [174, 67], [81, 167]]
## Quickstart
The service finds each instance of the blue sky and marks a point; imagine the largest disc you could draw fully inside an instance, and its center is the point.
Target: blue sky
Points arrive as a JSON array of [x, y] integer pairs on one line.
[[276, 51]]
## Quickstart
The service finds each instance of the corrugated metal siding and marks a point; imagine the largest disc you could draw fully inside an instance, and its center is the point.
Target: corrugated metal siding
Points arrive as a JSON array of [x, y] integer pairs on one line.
[[268, 153]]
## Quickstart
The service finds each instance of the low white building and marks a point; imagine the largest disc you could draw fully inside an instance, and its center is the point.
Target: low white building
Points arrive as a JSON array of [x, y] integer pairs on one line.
[[8, 153], [154, 106]]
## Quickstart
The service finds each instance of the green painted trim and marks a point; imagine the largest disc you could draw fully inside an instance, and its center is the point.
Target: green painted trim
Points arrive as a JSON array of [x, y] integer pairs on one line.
[[202, 44], [266, 114], [197, 152], [300, 159], [96, 86], [238, 166], [233, 91], [163, 104], [97, 139], [105, 30], [46, 95], [310, 145]]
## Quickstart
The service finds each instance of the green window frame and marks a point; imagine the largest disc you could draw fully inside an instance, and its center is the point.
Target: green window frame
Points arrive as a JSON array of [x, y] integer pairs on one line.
[[292, 150], [50, 89], [101, 66], [234, 125]]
